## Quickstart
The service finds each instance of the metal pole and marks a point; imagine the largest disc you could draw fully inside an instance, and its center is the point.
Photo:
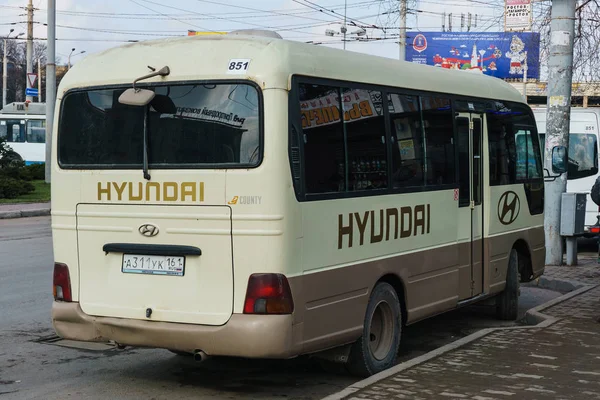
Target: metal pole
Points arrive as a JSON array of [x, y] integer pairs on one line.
[[69, 59], [402, 41], [39, 79], [560, 64], [525, 78], [4, 73], [50, 83], [345, 28], [571, 251], [29, 43]]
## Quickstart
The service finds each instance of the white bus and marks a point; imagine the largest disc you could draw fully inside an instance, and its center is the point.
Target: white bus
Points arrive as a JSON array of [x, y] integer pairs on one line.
[[23, 125], [583, 155], [263, 198]]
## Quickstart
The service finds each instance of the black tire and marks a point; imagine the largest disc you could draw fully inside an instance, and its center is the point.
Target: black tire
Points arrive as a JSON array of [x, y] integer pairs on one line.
[[507, 303], [377, 348]]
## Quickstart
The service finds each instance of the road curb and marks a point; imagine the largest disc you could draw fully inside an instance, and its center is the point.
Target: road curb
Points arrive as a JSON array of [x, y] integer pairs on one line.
[[533, 317], [558, 285], [24, 213]]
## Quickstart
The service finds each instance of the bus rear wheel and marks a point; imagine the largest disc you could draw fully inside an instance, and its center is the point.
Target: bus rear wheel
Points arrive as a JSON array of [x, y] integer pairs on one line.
[[507, 303], [377, 348]]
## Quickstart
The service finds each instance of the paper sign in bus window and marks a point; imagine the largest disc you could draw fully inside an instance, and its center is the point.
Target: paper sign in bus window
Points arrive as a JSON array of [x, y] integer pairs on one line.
[[407, 149]]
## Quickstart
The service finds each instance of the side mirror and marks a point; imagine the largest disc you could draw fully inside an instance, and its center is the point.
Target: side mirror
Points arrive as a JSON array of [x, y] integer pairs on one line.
[[136, 97], [560, 160], [163, 104]]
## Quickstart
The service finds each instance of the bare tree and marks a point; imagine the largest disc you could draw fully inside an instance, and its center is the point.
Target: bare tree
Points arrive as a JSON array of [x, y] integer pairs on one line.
[[17, 65]]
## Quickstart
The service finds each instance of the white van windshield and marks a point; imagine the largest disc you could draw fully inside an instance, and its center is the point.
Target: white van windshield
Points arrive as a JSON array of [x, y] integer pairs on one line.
[[583, 154]]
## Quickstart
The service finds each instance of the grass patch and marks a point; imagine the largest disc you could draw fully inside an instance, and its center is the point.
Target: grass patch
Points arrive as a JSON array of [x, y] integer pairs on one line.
[[40, 194]]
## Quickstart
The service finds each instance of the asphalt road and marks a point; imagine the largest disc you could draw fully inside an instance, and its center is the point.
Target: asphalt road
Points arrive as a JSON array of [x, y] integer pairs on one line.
[[34, 366]]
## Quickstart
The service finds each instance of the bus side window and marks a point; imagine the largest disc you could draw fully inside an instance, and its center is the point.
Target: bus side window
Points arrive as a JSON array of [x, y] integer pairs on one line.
[[323, 133], [439, 147], [501, 145], [17, 136], [407, 141], [527, 163], [365, 139], [3, 130]]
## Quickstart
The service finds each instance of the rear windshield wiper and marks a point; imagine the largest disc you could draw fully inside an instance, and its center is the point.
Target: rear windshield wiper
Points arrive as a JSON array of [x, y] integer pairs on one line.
[[142, 98], [145, 165]]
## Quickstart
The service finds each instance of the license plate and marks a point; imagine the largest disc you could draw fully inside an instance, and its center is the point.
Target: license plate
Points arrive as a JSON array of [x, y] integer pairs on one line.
[[153, 265]]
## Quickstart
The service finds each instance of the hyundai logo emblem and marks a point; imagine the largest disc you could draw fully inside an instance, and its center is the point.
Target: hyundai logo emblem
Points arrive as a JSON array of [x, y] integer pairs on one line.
[[509, 207], [148, 230]]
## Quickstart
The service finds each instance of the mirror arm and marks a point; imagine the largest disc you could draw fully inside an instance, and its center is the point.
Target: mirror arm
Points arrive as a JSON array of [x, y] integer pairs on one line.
[[550, 178], [164, 71]]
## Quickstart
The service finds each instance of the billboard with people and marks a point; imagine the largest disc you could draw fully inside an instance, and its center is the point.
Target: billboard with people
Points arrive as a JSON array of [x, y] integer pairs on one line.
[[500, 54]]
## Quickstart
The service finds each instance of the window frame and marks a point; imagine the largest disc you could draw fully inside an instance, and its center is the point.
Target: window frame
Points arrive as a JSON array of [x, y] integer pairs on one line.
[[294, 114], [455, 104], [117, 167], [532, 126]]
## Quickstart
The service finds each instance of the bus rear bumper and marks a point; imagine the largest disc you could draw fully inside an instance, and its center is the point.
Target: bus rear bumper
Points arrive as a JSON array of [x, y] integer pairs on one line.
[[251, 336]]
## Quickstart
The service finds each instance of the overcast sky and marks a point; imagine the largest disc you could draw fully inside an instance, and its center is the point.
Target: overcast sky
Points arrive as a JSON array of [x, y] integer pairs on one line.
[[94, 25]]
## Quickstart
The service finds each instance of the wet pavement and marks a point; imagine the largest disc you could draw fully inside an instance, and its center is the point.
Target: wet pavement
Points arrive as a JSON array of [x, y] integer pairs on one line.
[[34, 364], [559, 361]]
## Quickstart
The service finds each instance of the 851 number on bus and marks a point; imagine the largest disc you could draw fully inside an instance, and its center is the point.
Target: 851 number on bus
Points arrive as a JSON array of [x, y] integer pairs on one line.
[[238, 66]]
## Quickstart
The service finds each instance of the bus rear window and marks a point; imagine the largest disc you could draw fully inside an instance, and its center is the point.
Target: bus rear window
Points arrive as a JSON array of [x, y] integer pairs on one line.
[[189, 126]]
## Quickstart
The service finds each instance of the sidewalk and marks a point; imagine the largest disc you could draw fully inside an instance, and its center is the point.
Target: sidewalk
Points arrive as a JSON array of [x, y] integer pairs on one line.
[[21, 210], [557, 359]]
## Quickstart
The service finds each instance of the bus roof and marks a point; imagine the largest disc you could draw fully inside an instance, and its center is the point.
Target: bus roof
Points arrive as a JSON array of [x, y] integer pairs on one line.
[[272, 63], [24, 108]]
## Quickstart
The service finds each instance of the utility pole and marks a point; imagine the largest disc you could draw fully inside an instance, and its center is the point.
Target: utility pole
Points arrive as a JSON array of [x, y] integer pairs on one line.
[[562, 28], [444, 22], [29, 43], [5, 69], [402, 41], [50, 83]]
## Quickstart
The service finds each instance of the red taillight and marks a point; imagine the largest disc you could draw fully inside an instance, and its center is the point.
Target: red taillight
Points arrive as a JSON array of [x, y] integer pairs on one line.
[[595, 229], [61, 283], [268, 294]]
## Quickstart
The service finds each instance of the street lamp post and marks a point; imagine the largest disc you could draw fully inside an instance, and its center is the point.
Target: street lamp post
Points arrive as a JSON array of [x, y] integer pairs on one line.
[[71, 54], [5, 66]]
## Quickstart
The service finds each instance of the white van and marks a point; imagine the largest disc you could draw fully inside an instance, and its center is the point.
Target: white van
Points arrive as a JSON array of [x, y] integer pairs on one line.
[[583, 154]]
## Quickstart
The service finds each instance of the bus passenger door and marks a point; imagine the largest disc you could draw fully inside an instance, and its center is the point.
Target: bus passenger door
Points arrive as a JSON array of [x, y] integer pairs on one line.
[[469, 136]]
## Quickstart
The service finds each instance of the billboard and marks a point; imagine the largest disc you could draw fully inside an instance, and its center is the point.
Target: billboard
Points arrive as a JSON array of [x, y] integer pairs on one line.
[[498, 54], [198, 33], [517, 15]]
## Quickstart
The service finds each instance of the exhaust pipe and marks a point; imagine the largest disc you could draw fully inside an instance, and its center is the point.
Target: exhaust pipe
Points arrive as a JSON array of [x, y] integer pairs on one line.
[[200, 356]]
